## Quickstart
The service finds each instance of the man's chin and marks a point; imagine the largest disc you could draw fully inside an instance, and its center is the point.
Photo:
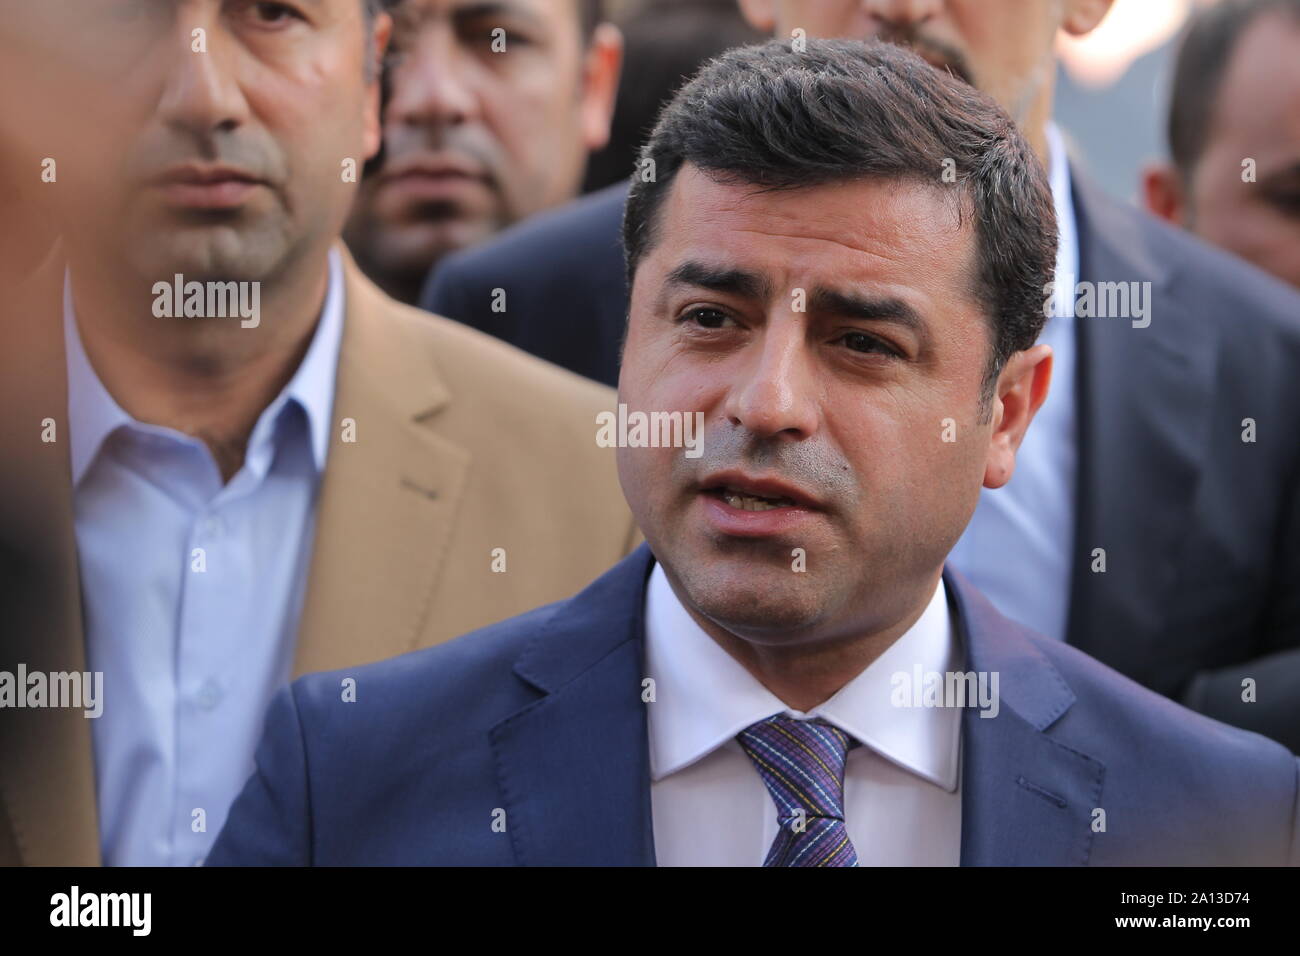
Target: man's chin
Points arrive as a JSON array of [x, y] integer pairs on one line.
[[212, 253], [420, 245], [754, 601]]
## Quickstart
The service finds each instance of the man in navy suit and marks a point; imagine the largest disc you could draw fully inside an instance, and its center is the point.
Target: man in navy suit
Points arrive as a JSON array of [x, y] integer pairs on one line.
[[785, 674], [1154, 522]]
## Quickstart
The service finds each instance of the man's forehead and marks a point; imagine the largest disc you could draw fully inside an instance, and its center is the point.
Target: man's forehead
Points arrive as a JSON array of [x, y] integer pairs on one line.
[[890, 226], [1263, 73]]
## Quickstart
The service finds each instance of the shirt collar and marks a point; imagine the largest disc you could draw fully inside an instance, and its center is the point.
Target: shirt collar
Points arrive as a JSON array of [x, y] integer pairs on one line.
[[704, 697], [312, 386], [94, 414], [1067, 249]]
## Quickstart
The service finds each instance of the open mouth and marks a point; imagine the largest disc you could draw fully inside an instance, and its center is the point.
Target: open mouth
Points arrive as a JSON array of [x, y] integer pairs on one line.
[[747, 501]]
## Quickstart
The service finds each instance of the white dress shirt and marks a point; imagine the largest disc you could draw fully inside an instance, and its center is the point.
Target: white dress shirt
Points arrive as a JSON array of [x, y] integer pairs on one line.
[[902, 797], [1019, 546], [191, 592]]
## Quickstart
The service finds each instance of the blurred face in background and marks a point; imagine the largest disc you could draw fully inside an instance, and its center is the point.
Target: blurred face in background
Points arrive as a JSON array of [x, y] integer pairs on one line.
[[1003, 47], [208, 137], [494, 107], [30, 89], [1256, 116]]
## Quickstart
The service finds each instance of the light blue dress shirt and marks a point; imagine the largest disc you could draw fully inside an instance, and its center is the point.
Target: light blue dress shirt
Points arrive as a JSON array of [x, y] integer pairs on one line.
[[191, 593], [1018, 547]]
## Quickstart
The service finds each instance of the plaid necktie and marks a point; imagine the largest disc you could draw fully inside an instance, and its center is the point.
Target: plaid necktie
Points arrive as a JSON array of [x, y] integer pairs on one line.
[[802, 763]]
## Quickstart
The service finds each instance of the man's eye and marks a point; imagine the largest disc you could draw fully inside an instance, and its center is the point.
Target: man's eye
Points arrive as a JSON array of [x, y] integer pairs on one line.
[[275, 13], [706, 318], [863, 342], [1289, 203], [493, 35]]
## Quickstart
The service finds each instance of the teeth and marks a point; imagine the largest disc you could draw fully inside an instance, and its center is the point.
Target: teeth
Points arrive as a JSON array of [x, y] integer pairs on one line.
[[751, 503]]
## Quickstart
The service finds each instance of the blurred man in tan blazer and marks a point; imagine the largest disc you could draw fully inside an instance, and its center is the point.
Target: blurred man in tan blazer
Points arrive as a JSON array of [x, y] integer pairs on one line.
[[230, 459]]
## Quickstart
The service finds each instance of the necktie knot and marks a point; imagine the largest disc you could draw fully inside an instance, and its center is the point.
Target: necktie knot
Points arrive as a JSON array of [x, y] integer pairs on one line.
[[802, 764]]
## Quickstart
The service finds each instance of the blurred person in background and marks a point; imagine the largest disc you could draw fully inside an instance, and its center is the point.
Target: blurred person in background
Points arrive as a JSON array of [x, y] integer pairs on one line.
[[1234, 134], [26, 175], [218, 499], [34, 567], [492, 110]]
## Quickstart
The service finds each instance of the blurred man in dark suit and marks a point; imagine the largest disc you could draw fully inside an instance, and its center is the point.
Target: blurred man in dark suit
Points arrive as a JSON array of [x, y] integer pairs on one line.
[[827, 296], [1234, 134], [235, 458], [1155, 518], [492, 110]]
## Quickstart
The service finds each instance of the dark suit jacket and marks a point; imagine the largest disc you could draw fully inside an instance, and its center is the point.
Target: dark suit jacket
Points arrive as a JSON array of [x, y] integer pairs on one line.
[[538, 723], [563, 276], [1201, 530]]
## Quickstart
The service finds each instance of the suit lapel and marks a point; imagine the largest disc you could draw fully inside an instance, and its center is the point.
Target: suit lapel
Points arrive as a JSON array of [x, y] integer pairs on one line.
[[47, 777], [1144, 400], [1027, 799], [574, 766], [386, 508], [388, 499]]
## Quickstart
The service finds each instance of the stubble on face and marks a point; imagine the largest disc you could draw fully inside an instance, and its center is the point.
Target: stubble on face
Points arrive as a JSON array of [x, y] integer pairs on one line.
[[860, 434]]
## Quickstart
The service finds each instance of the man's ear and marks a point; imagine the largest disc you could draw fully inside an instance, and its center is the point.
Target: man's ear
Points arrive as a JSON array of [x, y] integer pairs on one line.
[[759, 14], [1163, 193], [1082, 16], [373, 128], [600, 74], [1020, 391]]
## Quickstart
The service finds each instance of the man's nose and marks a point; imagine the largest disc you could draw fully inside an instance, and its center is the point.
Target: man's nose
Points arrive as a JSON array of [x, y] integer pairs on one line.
[[201, 92], [433, 85], [777, 391], [902, 13]]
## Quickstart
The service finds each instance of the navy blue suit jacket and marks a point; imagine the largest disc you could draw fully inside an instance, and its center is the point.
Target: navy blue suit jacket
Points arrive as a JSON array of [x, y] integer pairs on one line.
[[538, 723], [1201, 530], [562, 272]]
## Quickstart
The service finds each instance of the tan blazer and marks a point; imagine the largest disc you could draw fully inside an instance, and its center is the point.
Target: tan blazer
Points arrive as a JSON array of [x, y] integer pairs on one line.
[[463, 445]]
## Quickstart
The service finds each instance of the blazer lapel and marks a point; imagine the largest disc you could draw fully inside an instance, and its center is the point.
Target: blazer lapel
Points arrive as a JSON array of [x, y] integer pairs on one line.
[[1027, 799], [47, 780], [389, 495], [1145, 396], [574, 765]]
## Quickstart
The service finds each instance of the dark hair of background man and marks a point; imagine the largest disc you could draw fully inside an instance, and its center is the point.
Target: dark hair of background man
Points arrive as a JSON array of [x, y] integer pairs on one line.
[[664, 43], [1204, 52], [843, 110]]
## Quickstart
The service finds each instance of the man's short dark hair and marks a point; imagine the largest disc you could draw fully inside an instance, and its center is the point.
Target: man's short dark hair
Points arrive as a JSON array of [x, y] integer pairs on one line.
[[841, 110], [1208, 41]]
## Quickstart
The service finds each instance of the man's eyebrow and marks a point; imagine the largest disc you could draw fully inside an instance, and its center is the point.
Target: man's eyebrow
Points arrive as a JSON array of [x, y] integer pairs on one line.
[[495, 8], [748, 285], [853, 305]]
